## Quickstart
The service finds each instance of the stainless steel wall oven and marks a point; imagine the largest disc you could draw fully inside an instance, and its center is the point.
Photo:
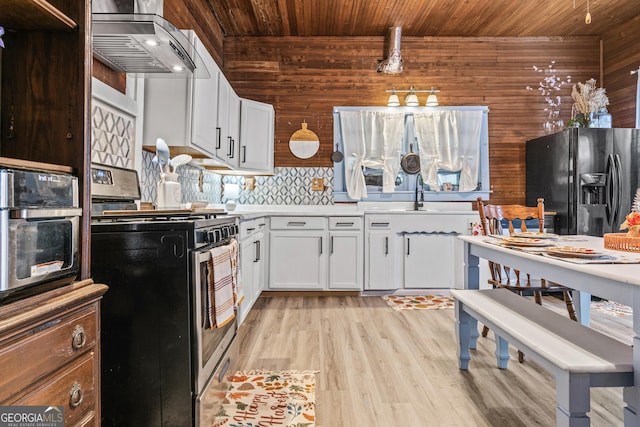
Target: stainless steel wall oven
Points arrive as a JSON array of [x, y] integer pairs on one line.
[[39, 231]]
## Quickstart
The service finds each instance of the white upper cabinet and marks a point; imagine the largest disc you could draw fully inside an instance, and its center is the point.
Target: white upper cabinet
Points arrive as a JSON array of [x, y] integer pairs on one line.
[[256, 136], [205, 105], [228, 123], [202, 117], [183, 111]]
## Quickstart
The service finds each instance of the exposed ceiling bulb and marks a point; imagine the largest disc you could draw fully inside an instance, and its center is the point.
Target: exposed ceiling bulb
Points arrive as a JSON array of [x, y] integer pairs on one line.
[[587, 19], [393, 63]]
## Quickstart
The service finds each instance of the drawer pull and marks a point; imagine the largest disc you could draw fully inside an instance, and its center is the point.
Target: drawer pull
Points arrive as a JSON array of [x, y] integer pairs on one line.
[[78, 338], [297, 223], [75, 395], [344, 224], [251, 229], [379, 224]]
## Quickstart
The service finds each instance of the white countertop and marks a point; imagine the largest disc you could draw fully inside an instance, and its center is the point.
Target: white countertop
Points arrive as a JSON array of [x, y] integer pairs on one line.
[[349, 209]]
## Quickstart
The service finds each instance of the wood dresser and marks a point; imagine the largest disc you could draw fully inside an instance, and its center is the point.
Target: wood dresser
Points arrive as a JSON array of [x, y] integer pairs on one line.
[[50, 351]]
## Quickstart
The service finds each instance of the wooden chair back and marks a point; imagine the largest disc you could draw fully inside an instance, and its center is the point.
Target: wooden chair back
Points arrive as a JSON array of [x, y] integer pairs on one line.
[[491, 216]]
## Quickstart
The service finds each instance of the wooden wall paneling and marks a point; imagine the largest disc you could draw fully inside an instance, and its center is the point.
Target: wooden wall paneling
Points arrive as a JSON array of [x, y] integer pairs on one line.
[[621, 55], [306, 77]]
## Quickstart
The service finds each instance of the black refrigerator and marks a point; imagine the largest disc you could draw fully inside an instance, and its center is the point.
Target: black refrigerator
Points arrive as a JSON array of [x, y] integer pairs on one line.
[[588, 176]]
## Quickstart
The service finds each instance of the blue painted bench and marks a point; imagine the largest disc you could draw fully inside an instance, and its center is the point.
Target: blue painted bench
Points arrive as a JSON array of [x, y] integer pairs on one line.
[[578, 357]]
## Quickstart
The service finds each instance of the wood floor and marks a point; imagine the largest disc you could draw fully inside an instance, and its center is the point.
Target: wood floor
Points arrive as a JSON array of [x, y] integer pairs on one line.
[[381, 367]]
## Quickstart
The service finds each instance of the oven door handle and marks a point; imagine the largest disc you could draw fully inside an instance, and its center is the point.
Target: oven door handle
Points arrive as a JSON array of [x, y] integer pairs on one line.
[[44, 213], [202, 256]]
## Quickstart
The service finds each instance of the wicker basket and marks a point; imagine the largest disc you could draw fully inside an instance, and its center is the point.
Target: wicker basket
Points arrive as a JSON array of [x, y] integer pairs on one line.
[[621, 242]]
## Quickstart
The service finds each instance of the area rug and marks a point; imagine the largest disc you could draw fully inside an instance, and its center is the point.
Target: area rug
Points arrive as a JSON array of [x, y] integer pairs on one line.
[[612, 308], [423, 302], [266, 398]]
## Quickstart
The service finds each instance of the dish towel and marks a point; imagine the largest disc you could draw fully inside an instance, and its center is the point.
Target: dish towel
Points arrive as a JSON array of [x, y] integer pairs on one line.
[[220, 288], [238, 292]]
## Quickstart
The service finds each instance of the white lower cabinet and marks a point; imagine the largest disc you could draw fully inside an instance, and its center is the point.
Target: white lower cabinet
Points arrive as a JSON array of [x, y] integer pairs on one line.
[[253, 261], [306, 253], [414, 251], [380, 256], [345, 253], [429, 261], [298, 260]]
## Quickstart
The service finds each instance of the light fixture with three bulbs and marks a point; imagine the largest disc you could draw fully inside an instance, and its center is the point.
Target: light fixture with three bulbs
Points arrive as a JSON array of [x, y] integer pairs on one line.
[[411, 99]]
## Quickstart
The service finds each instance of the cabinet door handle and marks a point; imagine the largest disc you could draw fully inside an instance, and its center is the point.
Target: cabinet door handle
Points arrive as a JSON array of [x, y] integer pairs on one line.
[[408, 246], [218, 137], [233, 148], [244, 154], [78, 338], [76, 395], [297, 223], [257, 249], [229, 149], [386, 245], [331, 245], [320, 240]]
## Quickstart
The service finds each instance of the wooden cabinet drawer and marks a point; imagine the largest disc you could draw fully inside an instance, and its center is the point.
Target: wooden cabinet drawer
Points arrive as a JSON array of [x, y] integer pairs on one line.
[[43, 349], [345, 223], [73, 388], [297, 223]]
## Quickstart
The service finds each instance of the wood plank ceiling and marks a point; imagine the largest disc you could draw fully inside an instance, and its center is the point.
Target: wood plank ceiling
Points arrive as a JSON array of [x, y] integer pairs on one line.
[[468, 18]]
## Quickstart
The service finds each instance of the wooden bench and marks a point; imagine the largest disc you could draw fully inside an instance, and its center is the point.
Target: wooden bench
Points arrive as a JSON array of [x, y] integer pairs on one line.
[[577, 356]]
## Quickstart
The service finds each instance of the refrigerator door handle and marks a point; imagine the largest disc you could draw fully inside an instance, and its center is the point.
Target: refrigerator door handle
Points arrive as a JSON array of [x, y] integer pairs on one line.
[[609, 189], [618, 190]]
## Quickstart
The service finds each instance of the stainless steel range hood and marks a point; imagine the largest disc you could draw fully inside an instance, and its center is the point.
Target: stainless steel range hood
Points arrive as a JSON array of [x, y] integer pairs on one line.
[[131, 36]]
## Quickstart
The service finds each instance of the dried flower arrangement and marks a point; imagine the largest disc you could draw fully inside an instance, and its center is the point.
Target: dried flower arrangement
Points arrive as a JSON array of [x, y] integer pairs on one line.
[[589, 99], [550, 84]]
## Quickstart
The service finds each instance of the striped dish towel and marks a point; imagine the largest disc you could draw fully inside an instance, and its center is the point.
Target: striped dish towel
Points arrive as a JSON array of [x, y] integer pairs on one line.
[[238, 292], [220, 288]]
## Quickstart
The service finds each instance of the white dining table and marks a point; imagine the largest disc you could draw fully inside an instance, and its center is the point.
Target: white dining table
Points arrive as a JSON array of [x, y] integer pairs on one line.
[[611, 281]]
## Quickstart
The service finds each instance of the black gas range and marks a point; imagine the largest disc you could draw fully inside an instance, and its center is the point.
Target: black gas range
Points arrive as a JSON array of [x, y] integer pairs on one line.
[[158, 358]]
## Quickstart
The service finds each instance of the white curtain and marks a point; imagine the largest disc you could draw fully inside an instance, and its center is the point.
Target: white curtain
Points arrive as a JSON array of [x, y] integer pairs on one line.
[[371, 139], [449, 140]]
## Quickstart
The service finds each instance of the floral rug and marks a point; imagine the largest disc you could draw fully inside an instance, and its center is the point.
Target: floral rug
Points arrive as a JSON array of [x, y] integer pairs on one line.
[[265, 398], [612, 308], [428, 302]]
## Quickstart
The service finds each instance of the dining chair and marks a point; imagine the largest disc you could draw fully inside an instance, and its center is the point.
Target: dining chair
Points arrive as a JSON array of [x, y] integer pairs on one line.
[[492, 219]]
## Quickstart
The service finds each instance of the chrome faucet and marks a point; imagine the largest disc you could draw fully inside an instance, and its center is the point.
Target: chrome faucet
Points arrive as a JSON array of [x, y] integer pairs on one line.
[[417, 204]]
